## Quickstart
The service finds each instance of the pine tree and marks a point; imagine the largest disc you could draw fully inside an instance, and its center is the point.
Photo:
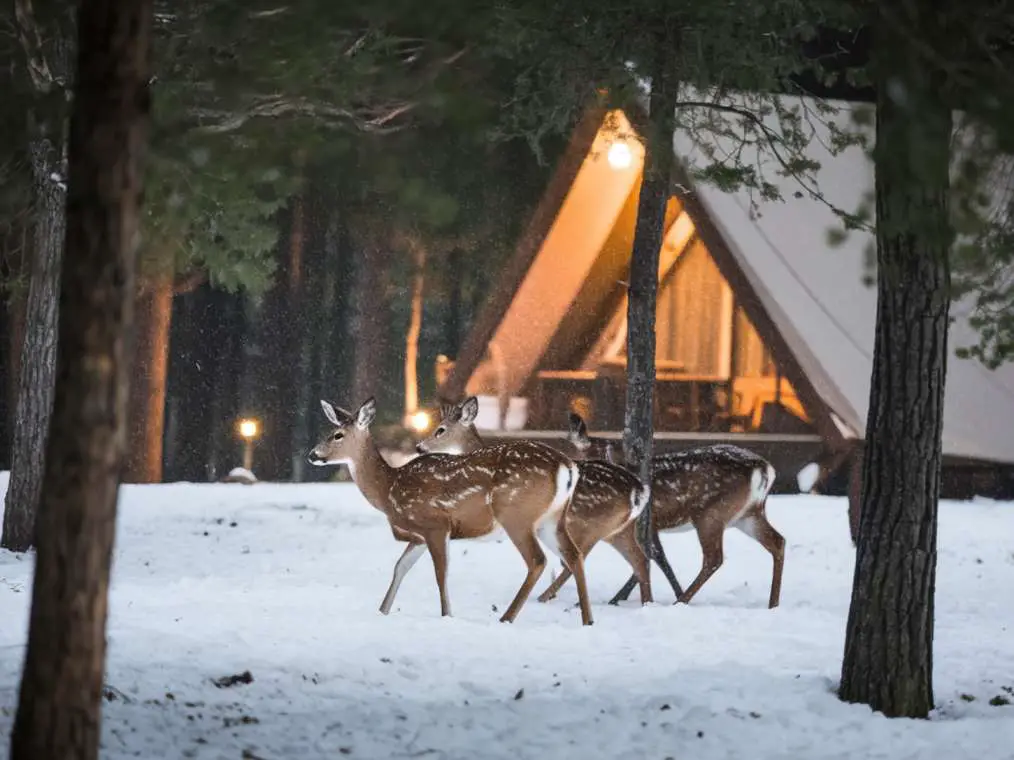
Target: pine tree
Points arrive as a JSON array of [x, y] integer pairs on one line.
[[60, 699]]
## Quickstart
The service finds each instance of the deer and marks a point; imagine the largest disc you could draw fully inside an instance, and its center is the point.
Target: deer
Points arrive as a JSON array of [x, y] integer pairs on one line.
[[706, 489], [606, 502], [523, 488]]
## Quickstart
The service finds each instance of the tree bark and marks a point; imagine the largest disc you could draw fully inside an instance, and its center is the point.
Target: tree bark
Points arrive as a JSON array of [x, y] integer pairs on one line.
[[38, 353], [146, 407], [14, 338], [59, 709], [888, 661], [642, 291]]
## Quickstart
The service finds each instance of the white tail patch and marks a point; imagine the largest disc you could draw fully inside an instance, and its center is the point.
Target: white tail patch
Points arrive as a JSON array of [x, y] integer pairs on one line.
[[566, 482], [639, 500], [760, 483]]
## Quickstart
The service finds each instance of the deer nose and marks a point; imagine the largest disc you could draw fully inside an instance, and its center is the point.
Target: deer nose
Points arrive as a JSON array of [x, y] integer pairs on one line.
[[419, 449], [312, 456]]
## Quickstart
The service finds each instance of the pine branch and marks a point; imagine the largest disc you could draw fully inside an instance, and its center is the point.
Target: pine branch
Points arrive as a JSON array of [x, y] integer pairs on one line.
[[775, 143], [374, 119]]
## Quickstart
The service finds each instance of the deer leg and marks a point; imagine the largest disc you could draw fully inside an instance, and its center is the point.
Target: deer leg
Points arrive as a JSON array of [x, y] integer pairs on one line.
[[405, 563], [526, 543], [571, 555], [711, 547], [556, 585], [584, 543], [625, 542], [436, 542], [758, 528], [624, 593], [658, 555]]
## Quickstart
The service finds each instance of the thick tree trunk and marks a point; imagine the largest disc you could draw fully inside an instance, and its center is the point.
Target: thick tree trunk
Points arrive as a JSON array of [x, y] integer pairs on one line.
[[638, 425], [153, 309], [38, 354], [888, 661], [59, 709]]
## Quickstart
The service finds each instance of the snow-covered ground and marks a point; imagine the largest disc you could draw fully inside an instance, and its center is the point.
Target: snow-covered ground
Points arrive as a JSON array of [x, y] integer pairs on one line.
[[284, 582]]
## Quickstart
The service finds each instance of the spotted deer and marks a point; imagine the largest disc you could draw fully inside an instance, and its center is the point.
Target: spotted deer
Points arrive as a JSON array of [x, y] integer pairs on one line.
[[523, 488], [706, 489], [604, 507]]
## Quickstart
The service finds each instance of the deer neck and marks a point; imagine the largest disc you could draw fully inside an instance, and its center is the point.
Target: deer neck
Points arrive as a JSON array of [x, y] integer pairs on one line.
[[373, 476], [472, 441]]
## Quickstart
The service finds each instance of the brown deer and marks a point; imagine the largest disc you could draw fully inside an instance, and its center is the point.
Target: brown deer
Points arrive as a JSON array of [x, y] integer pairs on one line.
[[604, 507], [707, 489], [522, 487]]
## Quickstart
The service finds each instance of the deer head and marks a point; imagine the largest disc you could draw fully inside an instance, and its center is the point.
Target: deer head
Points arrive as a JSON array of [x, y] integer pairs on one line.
[[349, 439], [455, 434], [586, 446]]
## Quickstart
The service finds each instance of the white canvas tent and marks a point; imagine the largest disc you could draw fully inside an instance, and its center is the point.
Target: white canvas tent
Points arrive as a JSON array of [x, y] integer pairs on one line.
[[814, 291]]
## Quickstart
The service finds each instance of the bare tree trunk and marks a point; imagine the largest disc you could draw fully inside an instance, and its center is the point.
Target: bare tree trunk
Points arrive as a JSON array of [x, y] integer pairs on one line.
[[414, 328], [638, 425], [278, 367], [452, 322], [888, 661], [369, 320], [38, 353], [59, 709], [153, 309]]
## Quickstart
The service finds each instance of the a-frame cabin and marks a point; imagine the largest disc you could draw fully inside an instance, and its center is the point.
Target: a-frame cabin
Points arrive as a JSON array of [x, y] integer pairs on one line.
[[764, 329]]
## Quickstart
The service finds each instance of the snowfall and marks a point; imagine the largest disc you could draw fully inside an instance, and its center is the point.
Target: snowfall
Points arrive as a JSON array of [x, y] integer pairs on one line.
[[283, 582]]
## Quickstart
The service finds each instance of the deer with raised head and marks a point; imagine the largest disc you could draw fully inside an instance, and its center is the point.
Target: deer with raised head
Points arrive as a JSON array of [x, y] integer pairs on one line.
[[706, 489], [604, 507], [523, 488]]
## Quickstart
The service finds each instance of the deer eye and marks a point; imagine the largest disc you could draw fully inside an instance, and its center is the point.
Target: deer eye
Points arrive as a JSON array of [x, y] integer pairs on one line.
[[439, 432], [337, 436]]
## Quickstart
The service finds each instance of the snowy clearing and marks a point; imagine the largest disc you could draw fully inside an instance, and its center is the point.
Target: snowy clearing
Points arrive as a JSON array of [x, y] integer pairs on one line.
[[284, 581]]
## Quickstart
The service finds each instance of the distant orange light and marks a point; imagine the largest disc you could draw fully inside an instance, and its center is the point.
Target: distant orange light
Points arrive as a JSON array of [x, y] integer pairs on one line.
[[620, 156], [420, 421], [248, 429]]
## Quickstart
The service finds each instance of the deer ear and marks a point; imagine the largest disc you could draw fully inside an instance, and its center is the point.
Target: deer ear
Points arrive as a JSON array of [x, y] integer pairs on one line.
[[578, 433], [366, 413], [469, 410], [329, 412]]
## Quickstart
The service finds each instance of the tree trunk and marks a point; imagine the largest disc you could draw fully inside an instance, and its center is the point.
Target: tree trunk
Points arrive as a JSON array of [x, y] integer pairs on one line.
[[14, 341], [888, 661], [642, 291], [38, 353], [281, 350], [59, 709], [369, 322], [229, 370], [153, 310], [414, 328], [452, 322]]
